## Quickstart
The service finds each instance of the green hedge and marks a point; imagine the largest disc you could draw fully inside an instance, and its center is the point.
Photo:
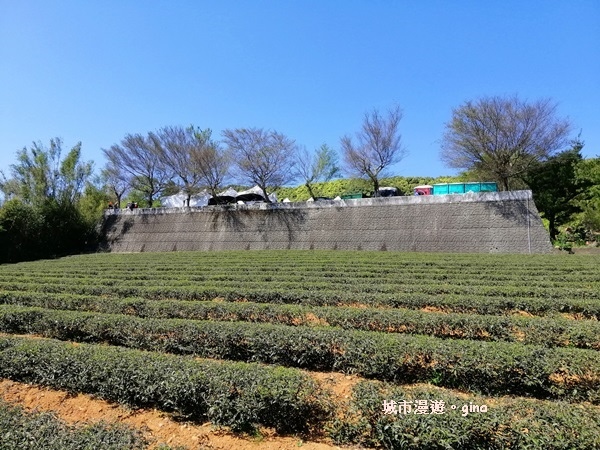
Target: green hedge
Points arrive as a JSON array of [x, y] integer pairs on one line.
[[488, 367], [506, 424], [234, 394], [344, 186], [549, 332], [587, 308], [20, 430]]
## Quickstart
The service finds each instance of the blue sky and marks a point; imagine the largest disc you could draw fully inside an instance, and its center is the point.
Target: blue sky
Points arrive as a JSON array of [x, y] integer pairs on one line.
[[93, 71]]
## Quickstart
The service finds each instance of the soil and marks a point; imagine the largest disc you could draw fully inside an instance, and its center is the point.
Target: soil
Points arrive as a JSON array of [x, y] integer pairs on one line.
[[434, 309], [158, 426], [588, 250]]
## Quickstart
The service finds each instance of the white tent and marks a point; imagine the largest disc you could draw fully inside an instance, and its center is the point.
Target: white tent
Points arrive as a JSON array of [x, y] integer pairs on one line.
[[258, 191], [252, 190], [178, 200], [229, 192]]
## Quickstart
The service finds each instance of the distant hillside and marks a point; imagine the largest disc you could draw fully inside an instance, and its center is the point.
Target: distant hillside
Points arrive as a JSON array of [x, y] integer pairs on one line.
[[345, 186]]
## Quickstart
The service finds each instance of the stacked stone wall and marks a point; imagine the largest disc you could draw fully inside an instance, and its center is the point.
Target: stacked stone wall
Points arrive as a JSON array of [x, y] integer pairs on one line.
[[502, 222]]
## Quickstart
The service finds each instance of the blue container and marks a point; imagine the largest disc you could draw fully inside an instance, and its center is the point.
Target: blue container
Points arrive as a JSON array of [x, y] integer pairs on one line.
[[489, 186], [456, 188], [473, 187], [440, 189]]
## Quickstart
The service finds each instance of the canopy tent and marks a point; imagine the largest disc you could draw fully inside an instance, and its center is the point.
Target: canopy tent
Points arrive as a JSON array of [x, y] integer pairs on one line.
[[227, 196], [179, 200], [255, 194]]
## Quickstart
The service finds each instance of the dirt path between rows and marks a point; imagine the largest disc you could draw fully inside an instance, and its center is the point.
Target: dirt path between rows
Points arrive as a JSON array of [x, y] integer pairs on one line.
[[158, 426]]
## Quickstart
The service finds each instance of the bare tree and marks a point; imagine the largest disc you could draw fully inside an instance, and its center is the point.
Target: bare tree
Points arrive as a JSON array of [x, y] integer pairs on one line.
[[262, 157], [378, 146], [503, 136], [320, 165], [212, 160], [175, 154], [136, 159], [116, 183]]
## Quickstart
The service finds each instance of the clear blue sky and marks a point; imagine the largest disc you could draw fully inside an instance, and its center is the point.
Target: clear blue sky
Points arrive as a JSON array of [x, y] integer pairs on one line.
[[95, 70]]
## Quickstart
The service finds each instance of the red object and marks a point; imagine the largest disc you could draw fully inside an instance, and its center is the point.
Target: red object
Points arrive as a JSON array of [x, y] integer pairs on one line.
[[424, 190]]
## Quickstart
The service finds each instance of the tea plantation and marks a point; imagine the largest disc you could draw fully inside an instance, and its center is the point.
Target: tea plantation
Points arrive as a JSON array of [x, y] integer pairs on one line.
[[454, 351]]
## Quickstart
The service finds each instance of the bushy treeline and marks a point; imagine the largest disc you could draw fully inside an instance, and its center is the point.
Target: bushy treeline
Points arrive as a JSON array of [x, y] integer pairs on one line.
[[347, 186], [51, 207], [46, 230]]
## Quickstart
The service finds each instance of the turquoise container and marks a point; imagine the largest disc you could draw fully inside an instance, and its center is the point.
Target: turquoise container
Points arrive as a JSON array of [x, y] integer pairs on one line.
[[456, 188], [489, 186], [473, 187], [440, 189]]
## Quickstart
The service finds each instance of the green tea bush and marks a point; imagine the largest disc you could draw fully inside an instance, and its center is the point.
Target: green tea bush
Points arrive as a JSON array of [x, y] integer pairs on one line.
[[20, 430], [505, 423], [488, 367], [547, 331], [238, 395]]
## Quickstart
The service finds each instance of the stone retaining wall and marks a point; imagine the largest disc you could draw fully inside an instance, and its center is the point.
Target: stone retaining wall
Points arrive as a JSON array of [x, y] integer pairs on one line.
[[502, 222]]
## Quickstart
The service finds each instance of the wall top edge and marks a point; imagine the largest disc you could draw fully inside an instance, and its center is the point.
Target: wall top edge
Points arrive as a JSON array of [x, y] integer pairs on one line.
[[472, 197]]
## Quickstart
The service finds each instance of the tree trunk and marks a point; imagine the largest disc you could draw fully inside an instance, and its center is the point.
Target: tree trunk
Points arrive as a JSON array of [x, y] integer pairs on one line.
[[375, 187], [150, 200], [552, 227], [264, 189], [505, 183], [310, 191], [213, 192], [187, 200]]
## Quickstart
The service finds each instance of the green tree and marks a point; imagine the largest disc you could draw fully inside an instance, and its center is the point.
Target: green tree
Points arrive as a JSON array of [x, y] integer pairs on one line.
[[588, 171], [93, 203], [556, 186], [318, 166], [40, 174], [42, 217], [20, 231]]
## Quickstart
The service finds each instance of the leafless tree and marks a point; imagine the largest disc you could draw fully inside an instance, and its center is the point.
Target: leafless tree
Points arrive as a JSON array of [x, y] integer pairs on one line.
[[176, 148], [262, 157], [136, 159], [213, 162], [378, 146], [116, 183], [503, 136], [313, 167]]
